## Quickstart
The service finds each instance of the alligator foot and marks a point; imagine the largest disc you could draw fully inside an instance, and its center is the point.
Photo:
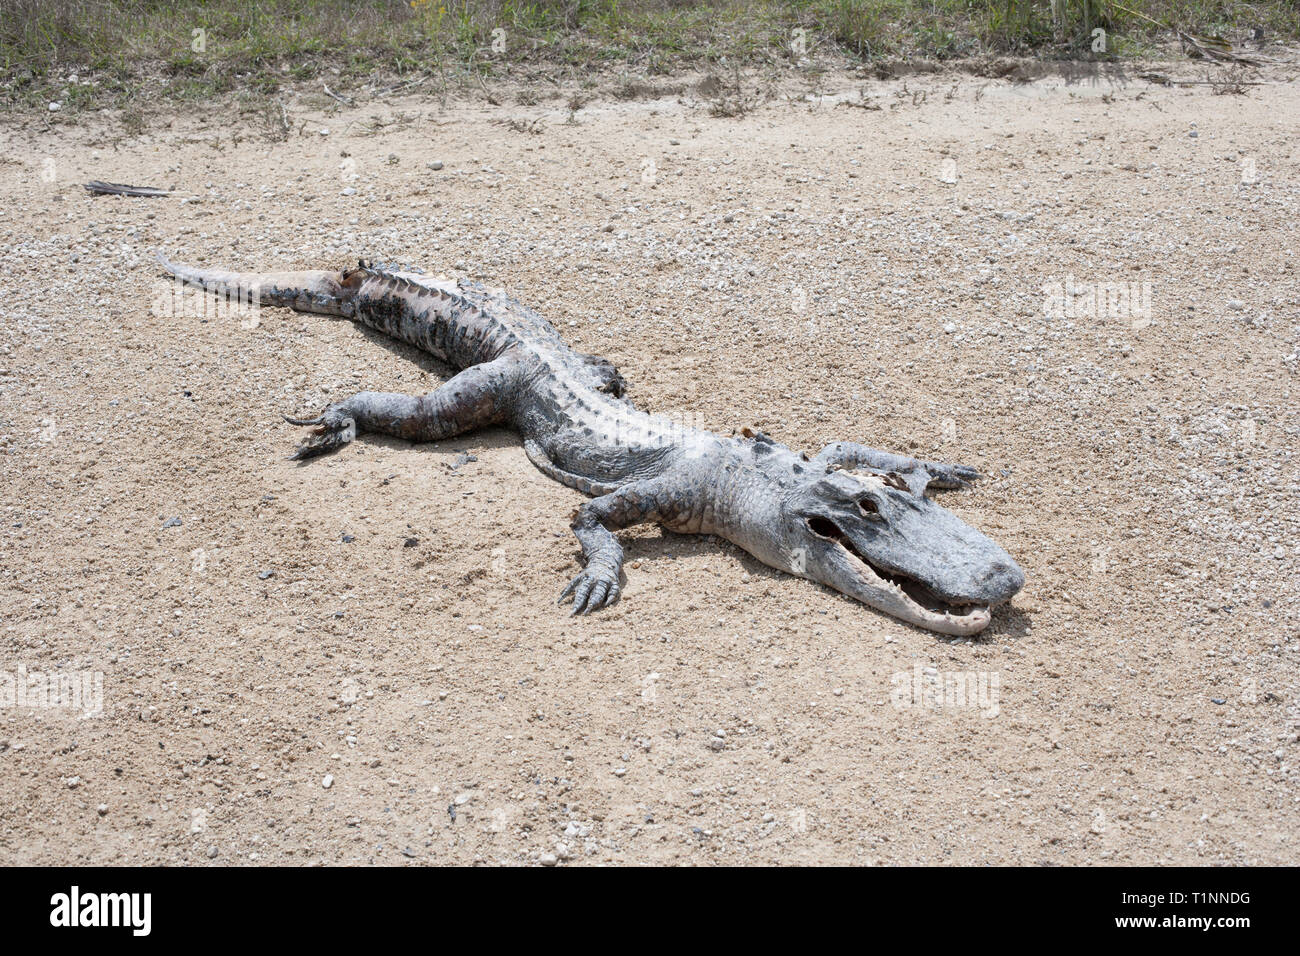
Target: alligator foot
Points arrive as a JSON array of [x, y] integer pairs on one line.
[[944, 475], [919, 474], [649, 499], [333, 430], [596, 587]]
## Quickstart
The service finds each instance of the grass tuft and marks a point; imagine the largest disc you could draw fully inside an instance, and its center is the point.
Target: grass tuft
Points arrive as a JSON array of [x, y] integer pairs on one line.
[[187, 50]]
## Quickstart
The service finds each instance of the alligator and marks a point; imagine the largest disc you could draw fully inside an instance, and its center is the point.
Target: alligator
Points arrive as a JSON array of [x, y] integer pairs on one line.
[[853, 518]]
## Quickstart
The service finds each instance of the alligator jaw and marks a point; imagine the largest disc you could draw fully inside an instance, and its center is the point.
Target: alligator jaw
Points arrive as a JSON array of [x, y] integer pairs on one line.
[[902, 596]]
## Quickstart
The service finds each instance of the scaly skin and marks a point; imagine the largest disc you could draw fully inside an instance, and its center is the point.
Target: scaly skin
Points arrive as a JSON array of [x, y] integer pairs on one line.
[[853, 518]]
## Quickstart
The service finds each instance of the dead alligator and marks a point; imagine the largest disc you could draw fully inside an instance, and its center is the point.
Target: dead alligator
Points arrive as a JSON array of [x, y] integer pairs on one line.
[[850, 517]]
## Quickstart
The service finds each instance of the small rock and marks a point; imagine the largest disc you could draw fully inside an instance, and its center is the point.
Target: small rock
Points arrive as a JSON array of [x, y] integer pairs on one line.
[[328, 781], [549, 859], [212, 853], [263, 575], [435, 165], [172, 523]]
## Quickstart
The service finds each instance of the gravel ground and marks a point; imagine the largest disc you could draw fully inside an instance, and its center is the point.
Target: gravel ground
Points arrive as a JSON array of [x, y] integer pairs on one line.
[[358, 659]]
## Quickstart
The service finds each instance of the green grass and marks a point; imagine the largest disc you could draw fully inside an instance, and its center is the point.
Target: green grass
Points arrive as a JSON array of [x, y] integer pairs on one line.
[[146, 48]]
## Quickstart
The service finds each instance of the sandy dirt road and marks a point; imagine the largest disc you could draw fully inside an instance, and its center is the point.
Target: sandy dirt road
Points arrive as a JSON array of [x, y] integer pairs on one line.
[[359, 659]]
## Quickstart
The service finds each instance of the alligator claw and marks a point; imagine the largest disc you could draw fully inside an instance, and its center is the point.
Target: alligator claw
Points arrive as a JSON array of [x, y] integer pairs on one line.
[[319, 419], [331, 432], [592, 590]]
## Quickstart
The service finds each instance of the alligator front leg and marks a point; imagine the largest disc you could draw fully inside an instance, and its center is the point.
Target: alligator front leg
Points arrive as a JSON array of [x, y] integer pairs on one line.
[[651, 499], [923, 474], [476, 397]]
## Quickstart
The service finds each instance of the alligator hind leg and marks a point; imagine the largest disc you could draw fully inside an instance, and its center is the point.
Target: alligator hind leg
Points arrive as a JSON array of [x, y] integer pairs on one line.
[[476, 397]]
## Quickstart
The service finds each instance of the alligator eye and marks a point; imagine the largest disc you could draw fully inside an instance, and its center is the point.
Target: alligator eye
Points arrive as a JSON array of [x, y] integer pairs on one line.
[[869, 509]]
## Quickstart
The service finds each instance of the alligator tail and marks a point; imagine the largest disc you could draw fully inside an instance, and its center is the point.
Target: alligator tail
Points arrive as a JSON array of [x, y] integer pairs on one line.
[[325, 293]]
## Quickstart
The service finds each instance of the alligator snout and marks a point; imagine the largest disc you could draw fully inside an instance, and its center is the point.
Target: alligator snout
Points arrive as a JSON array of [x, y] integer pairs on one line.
[[999, 582]]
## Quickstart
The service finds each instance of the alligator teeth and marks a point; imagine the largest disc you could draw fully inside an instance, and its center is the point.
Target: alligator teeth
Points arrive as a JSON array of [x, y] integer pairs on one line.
[[967, 618]]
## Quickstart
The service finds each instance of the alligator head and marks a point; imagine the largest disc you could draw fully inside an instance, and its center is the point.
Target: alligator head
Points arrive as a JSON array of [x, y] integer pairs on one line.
[[874, 535]]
